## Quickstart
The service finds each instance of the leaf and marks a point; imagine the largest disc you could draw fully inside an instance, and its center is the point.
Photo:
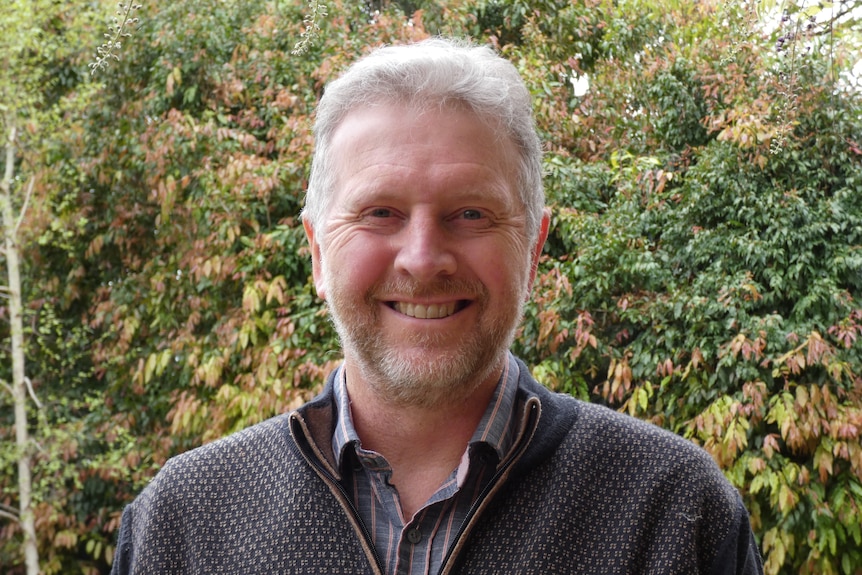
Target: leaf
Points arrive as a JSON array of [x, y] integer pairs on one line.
[[787, 499], [150, 368]]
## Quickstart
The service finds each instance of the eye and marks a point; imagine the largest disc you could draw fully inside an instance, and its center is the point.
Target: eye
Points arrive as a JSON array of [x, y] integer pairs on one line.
[[471, 214], [380, 213]]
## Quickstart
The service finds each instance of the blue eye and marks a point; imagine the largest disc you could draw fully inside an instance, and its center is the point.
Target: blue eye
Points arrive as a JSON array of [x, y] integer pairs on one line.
[[472, 214], [381, 213]]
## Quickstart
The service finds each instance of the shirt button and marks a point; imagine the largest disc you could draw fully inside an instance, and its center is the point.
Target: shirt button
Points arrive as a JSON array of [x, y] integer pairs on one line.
[[414, 536]]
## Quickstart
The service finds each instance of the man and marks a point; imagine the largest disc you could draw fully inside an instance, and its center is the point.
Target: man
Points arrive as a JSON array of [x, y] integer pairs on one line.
[[431, 449]]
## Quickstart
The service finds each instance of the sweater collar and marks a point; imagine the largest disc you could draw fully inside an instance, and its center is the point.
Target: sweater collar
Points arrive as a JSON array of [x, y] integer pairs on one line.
[[496, 430], [312, 425]]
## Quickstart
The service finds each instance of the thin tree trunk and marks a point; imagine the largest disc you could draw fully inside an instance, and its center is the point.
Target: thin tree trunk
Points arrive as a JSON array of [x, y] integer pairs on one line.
[[19, 391]]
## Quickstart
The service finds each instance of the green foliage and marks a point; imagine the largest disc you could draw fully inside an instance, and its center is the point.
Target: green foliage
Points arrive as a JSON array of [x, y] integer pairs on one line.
[[707, 281], [697, 275]]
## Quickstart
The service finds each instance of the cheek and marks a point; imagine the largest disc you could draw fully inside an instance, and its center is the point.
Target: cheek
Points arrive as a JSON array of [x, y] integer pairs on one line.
[[503, 263], [354, 265]]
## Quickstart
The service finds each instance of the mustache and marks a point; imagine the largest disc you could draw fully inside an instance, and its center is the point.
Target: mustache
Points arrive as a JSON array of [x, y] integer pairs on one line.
[[462, 288]]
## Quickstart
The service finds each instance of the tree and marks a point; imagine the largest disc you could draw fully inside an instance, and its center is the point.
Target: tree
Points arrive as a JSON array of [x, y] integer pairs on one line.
[[18, 391], [41, 97], [18, 46]]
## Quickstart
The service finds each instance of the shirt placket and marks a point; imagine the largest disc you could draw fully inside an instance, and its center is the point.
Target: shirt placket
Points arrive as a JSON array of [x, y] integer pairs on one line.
[[411, 550], [416, 543]]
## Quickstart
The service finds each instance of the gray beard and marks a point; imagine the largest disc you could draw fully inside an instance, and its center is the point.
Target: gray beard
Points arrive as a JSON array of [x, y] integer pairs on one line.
[[433, 380]]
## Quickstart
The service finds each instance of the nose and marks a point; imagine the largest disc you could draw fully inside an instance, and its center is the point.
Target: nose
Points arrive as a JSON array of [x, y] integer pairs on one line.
[[424, 249]]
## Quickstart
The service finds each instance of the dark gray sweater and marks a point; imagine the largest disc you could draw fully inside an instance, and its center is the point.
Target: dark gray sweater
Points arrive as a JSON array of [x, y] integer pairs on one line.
[[588, 491]]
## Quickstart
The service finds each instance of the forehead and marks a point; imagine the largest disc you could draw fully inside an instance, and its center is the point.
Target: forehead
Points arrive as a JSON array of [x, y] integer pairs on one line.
[[397, 139]]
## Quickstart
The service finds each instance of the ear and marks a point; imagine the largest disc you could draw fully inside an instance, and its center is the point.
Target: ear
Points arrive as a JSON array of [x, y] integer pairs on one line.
[[536, 251], [316, 265]]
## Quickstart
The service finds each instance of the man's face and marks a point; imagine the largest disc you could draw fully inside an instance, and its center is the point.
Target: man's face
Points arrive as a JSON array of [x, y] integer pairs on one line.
[[423, 255]]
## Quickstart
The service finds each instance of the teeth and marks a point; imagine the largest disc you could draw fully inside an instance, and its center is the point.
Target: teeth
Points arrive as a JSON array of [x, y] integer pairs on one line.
[[434, 311]]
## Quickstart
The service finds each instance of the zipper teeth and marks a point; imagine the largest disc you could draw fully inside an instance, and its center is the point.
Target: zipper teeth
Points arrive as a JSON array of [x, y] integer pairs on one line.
[[332, 481], [484, 494]]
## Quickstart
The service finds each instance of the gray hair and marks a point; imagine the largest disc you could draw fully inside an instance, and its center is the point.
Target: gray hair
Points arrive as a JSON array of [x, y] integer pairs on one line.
[[433, 73]]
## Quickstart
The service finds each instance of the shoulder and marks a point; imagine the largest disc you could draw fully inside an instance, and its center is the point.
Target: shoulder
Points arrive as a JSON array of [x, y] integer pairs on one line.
[[620, 463], [204, 489], [599, 434], [620, 432], [218, 469], [257, 443], [617, 490], [595, 439]]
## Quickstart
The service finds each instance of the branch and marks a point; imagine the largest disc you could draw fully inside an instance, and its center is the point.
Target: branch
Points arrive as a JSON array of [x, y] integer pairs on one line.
[[24, 207], [39, 447], [828, 26], [6, 184], [312, 27], [9, 513], [30, 390], [115, 37], [32, 393]]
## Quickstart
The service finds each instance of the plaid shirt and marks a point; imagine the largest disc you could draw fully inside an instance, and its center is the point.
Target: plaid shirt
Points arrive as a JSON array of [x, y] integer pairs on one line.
[[420, 545]]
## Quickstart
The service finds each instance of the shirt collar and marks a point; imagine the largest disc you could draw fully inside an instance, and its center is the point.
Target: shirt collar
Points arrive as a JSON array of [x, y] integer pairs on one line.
[[496, 429], [344, 435]]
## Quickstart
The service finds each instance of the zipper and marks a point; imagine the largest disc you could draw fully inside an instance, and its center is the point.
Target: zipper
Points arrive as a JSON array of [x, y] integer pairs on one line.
[[489, 487], [345, 498]]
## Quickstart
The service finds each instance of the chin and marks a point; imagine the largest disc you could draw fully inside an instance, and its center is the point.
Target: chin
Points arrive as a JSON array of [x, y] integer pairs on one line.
[[448, 379]]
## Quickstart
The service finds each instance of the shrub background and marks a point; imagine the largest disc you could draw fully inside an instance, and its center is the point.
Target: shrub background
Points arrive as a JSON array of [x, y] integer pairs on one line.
[[704, 270]]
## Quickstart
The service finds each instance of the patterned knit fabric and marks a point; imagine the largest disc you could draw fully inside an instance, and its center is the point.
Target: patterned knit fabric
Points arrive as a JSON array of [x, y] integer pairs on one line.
[[419, 546], [595, 492]]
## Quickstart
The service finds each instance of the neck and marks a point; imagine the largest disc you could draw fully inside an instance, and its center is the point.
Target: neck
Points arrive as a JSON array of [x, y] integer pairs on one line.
[[381, 422], [423, 444]]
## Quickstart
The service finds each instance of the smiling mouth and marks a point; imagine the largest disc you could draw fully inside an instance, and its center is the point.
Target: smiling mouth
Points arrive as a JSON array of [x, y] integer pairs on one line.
[[432, 311]]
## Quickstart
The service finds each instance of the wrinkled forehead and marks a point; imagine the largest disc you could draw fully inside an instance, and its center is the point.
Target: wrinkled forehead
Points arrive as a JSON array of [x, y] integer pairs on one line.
[[441, 134]]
